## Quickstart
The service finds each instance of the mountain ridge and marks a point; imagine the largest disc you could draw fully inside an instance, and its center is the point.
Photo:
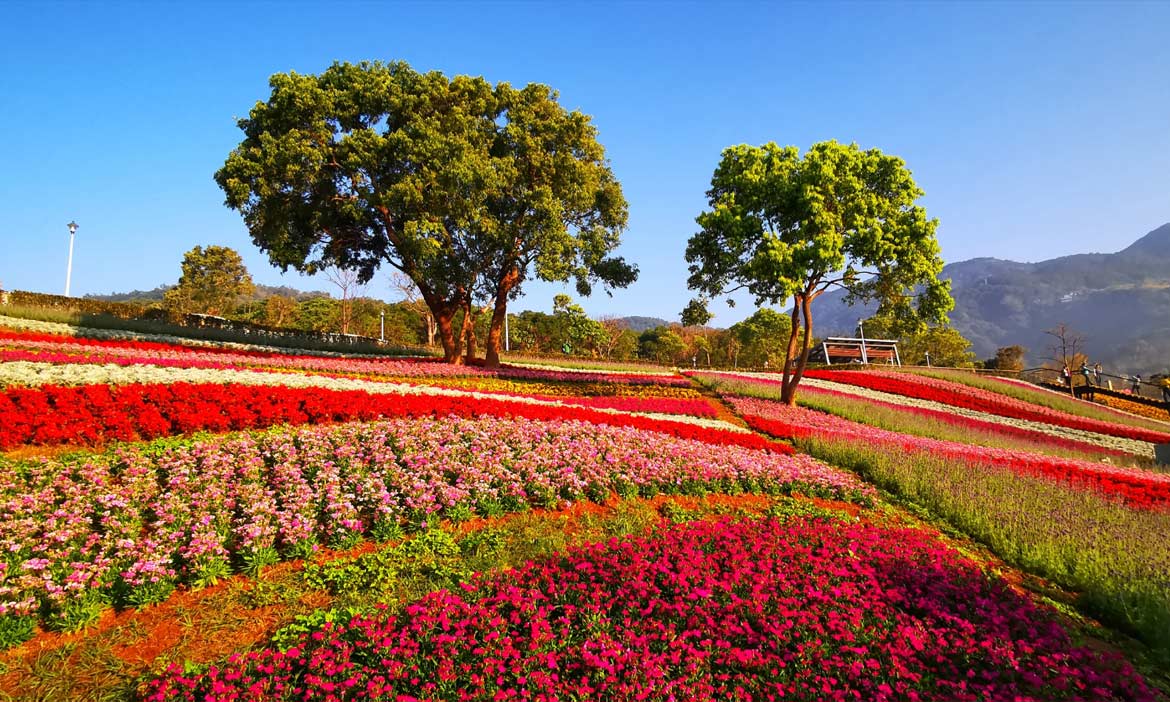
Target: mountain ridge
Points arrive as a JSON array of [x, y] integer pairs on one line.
[[1120, 303]]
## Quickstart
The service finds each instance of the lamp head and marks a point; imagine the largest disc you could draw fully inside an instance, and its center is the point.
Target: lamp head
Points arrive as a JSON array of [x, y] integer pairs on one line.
[[72, 227]]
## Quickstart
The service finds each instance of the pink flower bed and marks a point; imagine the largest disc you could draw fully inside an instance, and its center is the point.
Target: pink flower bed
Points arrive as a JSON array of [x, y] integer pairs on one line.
[[1143, 489], [960, 395], [803, 610], [143, 519], [48, 348], [971, 423]]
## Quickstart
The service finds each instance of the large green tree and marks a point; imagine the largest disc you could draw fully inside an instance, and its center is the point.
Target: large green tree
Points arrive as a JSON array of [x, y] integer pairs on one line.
[[782, 224], [466, 187], [213, 279]]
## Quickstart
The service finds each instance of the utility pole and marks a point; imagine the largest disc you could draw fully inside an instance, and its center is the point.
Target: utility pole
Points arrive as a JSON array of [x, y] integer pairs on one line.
[[69, 267]]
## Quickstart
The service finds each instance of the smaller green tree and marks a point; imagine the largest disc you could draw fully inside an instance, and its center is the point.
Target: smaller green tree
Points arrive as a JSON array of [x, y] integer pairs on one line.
[[763, 338], [625, 348], [318, 314], [212, 280], [278, 310], [661, 344], [1008, 358], [945, 344], [576, 329], [695, 314]]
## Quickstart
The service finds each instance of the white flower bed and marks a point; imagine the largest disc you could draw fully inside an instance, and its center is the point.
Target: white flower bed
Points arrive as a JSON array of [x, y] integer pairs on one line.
[[1137, 448], [32, 374]]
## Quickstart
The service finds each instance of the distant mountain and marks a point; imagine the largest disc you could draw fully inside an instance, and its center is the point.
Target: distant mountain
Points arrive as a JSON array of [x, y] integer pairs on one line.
[[1120, 303], [156, 295], [641, 324]]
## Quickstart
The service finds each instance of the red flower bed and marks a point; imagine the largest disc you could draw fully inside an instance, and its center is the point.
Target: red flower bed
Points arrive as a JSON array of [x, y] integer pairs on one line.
[[972, 423], [1141, 489], [960, 395], [751, 610], [93, 414]]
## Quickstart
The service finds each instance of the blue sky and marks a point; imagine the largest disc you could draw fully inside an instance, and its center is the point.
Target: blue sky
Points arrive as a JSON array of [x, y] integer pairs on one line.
[[1036, 130]]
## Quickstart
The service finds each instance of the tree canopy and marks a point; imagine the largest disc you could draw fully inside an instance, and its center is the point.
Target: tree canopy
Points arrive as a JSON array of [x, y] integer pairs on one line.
[[212, 280], [785, 225], [467, 188]]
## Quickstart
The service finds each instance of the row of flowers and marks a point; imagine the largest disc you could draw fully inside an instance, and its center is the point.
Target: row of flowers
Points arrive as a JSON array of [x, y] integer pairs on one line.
[[33, 346], [961, 395], [533, 388], [1138, 408], [637, 400], [128, 526], [1031, 393], [96, 414], [749, 610], [1028, 438], [1130, 446], [96, 334], [1139, 488]]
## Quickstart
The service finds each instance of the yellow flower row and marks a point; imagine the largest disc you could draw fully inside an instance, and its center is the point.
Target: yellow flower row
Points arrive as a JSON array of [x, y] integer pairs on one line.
[[1137, 408]]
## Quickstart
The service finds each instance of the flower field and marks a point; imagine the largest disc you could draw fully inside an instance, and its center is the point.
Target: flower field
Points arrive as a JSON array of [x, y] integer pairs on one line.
[[128, 528], [1140, 488], [961, 395], [340, 527], [917, 420], [718, 611]]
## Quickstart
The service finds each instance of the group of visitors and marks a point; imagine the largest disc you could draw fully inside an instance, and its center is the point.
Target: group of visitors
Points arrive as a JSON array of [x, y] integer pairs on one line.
[[1092, 375]]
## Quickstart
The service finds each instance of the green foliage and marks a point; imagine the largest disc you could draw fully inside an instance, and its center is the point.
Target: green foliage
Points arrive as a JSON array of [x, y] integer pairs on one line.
[[254, 560], [15, 629], [695, 314], [467, 188], [787, 508], [946, 346], [783, 225], [213, 279], [763, 338], [661, 344], [288, 636], [1007, 358], [80, 612]]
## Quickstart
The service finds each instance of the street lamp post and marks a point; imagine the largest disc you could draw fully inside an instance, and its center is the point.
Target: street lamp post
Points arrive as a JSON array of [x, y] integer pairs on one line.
[[861, 331], [69, 266], [928, 359], [382, 325], [507, 336]]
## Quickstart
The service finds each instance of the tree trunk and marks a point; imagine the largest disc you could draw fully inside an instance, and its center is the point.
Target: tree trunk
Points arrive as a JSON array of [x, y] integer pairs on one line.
[[499, 313], [788, 383], [468, 332], [805, 305], [451, 344], [432, 328]]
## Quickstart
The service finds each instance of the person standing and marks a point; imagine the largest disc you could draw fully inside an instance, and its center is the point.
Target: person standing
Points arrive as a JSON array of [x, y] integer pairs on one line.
[[1136, 387], [1097, 373], [1065, 376]]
